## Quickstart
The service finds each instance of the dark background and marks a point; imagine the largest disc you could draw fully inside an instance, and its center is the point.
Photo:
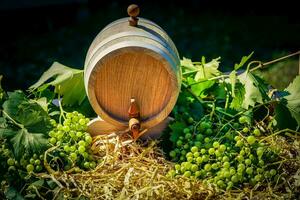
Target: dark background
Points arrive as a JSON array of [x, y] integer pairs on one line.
[[35, 33]]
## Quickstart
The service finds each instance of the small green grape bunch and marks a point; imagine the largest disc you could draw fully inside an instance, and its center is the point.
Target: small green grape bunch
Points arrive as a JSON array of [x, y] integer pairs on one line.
[[33, 164], [205, 128]]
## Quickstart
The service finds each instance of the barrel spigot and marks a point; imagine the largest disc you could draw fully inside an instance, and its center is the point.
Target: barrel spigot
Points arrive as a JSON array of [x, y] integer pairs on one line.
[[134, 119]]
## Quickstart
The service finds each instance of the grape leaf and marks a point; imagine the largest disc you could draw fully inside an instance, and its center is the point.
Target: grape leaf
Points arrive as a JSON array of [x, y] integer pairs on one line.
[[238, 99], [26, 141], [199, 88], [68, 82], [293, 99], [208, 70], [14, 100], [31, 124], [243, 61], [252, 92], [187, 63], [283, 117]]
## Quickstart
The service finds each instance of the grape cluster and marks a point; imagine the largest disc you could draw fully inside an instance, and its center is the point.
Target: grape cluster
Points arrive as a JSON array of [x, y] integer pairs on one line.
[[227, 155], [73, 142]]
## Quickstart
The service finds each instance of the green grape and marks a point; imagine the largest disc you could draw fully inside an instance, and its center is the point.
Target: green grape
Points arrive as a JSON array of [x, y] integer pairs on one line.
[[67, 148], [249, 170], [190, 120], [81, 149], [196, 154], [222, 148], [186, 146], [207, 167], [216, 144], [31, 161], [38, 168], [208, 131], [188, 136], [273, 172], [10, 161], [211, 151], [245, 129], [205, 158], [179, 143], [227, 174], [232, 171], [198, 144], [29, 168], [257, 177], [172, 154], [92, 164], [256, 132], [234, 179], [73, 156], [225, 159], [243, 119], [260, 152], [214, 166], [66, 128], [248, 162], [183, 152], [207, 140], [261, 163], [82, 121], [237, 138], [194, 149], [239, 143], [69, 115], [199, 160], [186, 130], [72, 148], [251, 139], [52, 141], [226, 165], [241, 166], [189, 154], [240, 158], [194, 168], [202, 151], [187, 174], [190, 159], [197, 173], [79, 134], [218, 154], [37, 162], [177, 167], [199, 137]]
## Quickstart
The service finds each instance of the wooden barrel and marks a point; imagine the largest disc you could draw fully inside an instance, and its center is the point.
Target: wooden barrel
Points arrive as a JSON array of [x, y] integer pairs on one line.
[[139, 62]]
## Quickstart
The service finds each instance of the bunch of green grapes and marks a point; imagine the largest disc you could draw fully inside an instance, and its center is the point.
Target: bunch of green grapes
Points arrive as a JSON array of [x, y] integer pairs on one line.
[[73, 143], [227, 155]]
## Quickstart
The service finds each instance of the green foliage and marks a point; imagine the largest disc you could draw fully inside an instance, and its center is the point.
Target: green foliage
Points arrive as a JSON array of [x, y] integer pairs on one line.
[[68, 82], [243, 61], [26, 124], [293, 99]]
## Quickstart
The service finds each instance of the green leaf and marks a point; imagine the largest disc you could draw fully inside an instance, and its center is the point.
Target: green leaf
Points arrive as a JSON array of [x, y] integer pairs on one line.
[[25, 141], [293, 99], [12, 194], [238, 99], [283, 117], [252, 92], [187, 63], [208, 70], [6, 132], [15, 98], [68, 82], [2, 92], [200, 87], [243, 61], [177, 129], [42, 102]]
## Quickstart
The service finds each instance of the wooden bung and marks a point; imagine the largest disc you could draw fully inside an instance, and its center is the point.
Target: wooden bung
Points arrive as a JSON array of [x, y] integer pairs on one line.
[[132, 58]]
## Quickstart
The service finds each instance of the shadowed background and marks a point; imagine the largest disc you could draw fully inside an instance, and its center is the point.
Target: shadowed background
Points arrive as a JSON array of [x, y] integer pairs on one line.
[[36, 33]]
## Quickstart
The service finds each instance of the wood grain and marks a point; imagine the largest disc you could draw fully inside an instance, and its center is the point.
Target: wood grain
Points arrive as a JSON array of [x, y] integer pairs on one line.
[[127, 62]]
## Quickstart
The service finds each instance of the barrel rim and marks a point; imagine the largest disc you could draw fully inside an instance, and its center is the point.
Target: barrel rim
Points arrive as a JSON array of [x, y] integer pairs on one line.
[[150, 50]]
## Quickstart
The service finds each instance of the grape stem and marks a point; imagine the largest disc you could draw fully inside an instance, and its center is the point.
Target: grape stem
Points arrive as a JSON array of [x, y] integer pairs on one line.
[[278, 132]]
